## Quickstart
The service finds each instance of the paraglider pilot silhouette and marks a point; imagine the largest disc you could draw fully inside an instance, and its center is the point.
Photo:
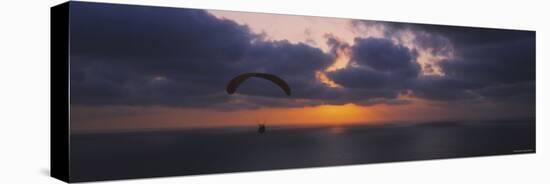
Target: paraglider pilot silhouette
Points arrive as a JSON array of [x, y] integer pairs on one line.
[[238, 80]]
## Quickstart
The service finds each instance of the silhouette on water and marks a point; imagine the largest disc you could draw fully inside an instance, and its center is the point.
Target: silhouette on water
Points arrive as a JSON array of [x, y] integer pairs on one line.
[[261, 128]]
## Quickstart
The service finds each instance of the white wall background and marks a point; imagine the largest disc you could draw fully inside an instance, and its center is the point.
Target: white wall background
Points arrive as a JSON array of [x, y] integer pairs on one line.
[[24, 91]]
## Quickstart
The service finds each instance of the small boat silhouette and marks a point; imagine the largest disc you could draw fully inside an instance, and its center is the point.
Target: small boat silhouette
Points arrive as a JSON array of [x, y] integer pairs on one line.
[[261, 128]]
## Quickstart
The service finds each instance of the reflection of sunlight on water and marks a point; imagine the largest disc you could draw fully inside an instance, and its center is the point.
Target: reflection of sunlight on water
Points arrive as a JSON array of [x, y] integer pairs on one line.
[[336, 130]]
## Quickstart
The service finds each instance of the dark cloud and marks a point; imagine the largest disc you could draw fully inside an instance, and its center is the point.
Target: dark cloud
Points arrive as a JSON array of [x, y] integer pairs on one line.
[[444, 88], [484, 60], [385, 56], [379, 69], [335, 43], [504, 62], [131, 55], [117, 60], [295, 63], [501, 57]]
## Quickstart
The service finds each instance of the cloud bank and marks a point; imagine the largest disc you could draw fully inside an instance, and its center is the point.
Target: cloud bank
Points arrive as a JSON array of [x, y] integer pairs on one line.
[[150, 56]]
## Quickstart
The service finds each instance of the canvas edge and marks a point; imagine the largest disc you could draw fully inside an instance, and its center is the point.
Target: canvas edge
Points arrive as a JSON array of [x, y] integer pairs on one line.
[[59, 92]]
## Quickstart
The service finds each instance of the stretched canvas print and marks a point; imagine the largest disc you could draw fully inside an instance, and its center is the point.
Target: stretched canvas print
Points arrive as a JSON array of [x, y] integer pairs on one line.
[[142, 91]]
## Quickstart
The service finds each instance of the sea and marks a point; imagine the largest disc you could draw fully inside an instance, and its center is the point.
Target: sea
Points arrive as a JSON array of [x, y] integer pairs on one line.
[[155, 153]]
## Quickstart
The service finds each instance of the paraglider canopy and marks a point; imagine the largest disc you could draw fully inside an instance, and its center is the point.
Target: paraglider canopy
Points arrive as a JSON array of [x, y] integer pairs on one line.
[[236, 82]]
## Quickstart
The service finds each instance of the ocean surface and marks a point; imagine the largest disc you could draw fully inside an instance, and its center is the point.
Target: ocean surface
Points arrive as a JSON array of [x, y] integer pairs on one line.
[[123, 155]]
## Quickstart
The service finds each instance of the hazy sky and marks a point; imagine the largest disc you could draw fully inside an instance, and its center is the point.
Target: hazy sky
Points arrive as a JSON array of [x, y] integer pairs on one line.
[[136, 67]]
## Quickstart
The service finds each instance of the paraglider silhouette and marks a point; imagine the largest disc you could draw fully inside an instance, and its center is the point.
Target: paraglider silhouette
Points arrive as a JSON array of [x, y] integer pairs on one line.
[[238, 80], [261, 128]]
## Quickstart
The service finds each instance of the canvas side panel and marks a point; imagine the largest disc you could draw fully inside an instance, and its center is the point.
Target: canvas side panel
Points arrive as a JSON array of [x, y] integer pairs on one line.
[[59, 76]]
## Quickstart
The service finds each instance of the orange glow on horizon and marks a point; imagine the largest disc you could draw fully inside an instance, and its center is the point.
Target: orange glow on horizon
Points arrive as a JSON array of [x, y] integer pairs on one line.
[[163, 117], [132, 117], [141, 117]]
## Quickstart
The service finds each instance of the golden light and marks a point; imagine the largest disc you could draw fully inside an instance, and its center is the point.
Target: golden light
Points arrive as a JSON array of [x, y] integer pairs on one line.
[[333, 115], [323, 78], [341, 61], [430, 63]]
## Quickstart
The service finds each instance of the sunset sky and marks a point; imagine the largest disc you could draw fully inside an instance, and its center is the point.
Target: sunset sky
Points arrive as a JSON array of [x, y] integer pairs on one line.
[[136, 67]]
